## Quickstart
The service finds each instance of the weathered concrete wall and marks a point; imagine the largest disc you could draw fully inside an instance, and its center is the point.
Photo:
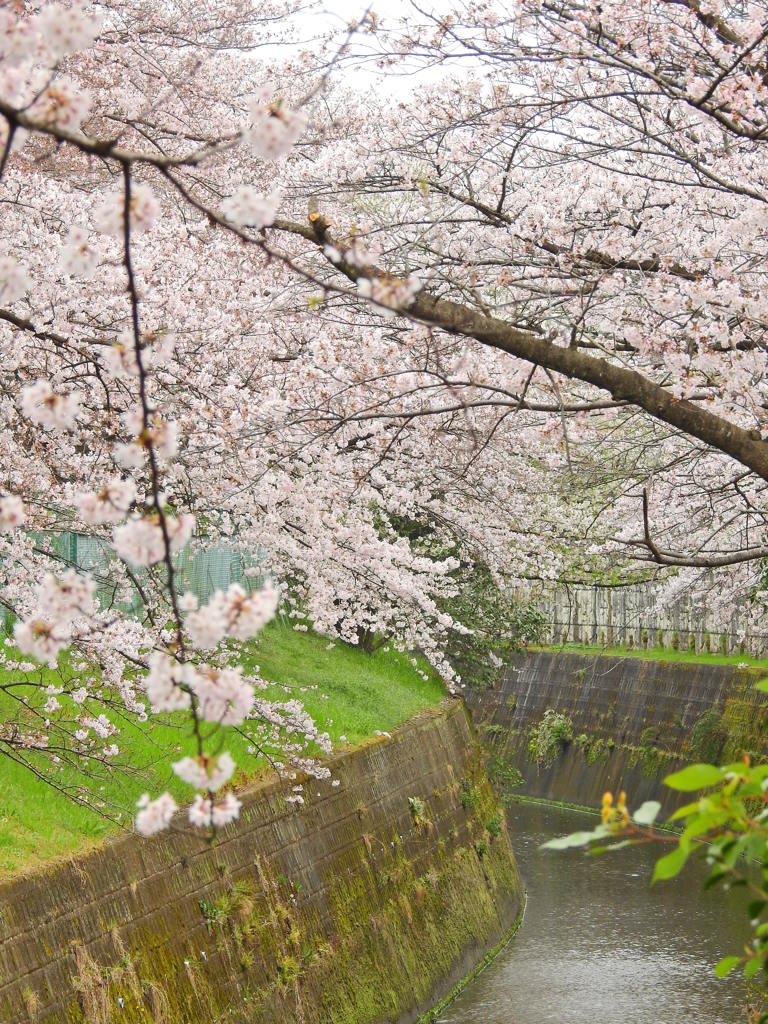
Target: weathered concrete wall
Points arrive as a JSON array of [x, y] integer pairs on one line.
[[634, 721], [368, 904]]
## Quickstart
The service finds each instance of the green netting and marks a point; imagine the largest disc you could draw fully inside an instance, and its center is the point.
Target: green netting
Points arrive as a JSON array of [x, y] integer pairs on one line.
[[200, 569]]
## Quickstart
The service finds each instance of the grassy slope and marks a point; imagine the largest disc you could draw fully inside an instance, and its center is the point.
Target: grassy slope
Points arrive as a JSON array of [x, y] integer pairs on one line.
[[347, 692], [661, 654]]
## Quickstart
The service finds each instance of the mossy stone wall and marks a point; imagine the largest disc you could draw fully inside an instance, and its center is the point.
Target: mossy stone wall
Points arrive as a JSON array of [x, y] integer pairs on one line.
[[367, 904], [634, 721]]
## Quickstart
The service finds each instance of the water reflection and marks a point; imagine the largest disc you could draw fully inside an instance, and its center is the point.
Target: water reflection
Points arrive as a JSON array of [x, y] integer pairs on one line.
[[599, 946]]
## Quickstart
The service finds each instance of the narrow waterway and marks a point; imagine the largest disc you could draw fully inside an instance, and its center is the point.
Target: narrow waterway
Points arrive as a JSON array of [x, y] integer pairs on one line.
[[598, 945]]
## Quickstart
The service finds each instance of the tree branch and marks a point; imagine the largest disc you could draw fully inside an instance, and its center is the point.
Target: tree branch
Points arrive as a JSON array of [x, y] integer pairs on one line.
[[706, 561], [622, 384]]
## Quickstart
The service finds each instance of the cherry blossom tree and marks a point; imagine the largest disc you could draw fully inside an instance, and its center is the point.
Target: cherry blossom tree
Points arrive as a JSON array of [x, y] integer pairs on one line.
[[96, 404], [585, 195], [514, 319]]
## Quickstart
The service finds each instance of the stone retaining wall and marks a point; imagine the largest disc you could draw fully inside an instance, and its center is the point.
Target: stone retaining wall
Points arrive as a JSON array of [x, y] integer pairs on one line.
[[367, 904], [634, 721]]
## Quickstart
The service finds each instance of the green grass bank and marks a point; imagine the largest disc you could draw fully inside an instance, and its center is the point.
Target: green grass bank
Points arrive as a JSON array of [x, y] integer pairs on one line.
[[348, 693], [664, 654]]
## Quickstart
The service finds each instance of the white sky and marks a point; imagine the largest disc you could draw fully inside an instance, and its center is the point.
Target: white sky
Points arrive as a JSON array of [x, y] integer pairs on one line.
[[336, 16]]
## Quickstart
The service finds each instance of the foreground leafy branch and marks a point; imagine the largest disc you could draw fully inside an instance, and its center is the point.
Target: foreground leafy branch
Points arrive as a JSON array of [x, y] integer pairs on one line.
[[727, 825]]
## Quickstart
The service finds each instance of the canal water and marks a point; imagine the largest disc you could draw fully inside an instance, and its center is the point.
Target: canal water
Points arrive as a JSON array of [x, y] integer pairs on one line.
[[598, 945]]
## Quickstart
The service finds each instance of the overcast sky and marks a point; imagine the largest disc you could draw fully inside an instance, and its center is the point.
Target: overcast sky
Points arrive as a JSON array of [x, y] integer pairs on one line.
[[336, 16]]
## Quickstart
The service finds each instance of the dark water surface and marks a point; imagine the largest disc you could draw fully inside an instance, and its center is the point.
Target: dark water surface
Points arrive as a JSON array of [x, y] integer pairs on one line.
[[598, 945]]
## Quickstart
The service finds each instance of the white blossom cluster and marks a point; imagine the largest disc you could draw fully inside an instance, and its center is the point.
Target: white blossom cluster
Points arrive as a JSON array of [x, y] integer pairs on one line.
[[12, 514], [14, 280], [60, 602], [274, 128], [205, 773], [391, 292], [223, 695], [111, 388], [233, 612], [31, 46], [63, 103], [109, 214], [42, 405], [155, 815], [204, 813], [110, 504], [141, 541], [247, 208], [78, 257]]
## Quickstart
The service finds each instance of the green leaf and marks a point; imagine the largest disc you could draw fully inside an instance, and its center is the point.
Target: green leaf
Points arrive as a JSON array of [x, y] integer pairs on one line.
[[724, 967], [762, 684], [671, 865], [683, 812], [614, 846], [647, 813], [699, 824], [718, 874], [695, 776], [574, 839], [752, 967], [755, 908], [754, 845]]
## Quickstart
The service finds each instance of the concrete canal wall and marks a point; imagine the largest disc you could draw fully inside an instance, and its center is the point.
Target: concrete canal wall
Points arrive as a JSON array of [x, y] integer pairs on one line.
[[633, 721], [367, 904]]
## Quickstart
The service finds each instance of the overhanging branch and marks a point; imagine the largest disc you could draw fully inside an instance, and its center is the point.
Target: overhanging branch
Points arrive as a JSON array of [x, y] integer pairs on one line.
[[713, 560], [622, 384]]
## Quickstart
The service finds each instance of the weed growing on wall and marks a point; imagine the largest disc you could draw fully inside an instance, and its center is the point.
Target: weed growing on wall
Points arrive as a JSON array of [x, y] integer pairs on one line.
[[547, 740], [708, 736]]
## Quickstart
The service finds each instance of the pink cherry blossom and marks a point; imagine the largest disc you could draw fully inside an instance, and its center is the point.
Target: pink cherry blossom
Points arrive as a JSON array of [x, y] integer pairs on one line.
[[120, 358], [43, 640], [140, 540], [205, 774], [145, 209], [390, 292], [63, 104], [14, 281], [232, 612], [110, 504], [78, 256], [12, 514], [63, 598], [203, 812], [167, 683], [223, 695], [226, 810], [42, 405], [67, 29], [274, 128], [154, 815], [247, 208]]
